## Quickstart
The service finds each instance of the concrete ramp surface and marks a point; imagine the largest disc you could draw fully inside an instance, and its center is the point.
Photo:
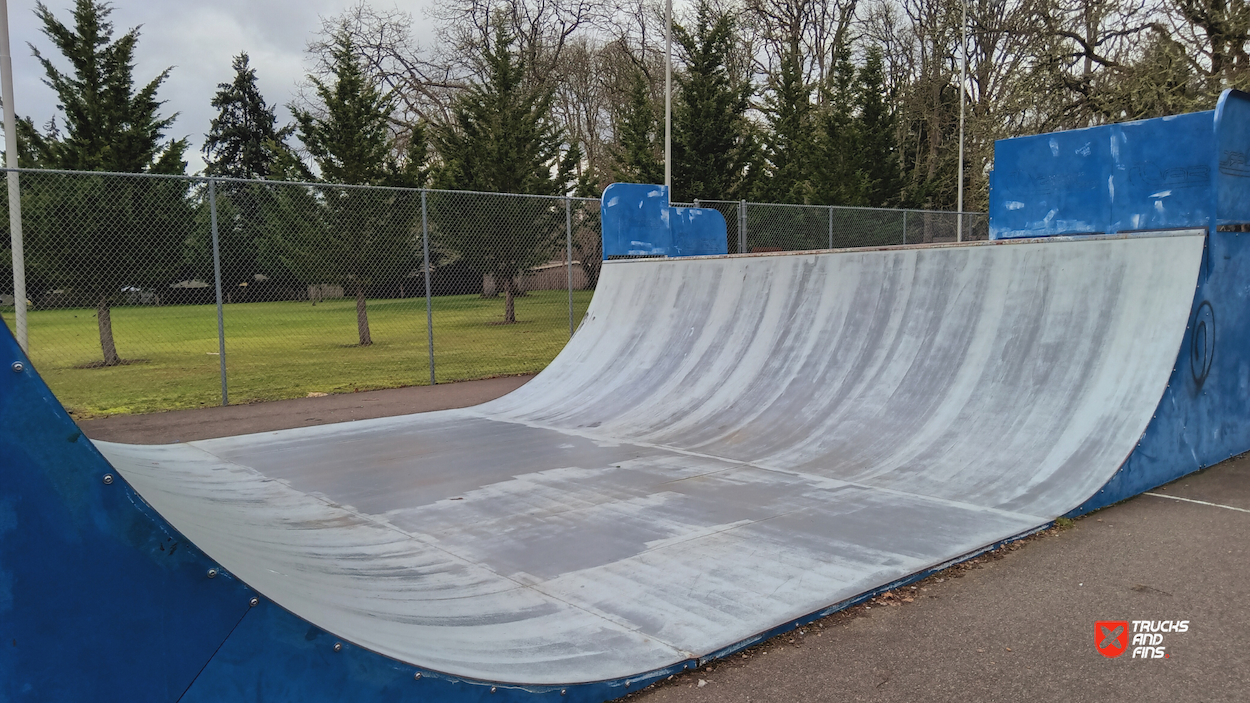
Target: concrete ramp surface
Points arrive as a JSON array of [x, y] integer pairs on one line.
[[727, 445]]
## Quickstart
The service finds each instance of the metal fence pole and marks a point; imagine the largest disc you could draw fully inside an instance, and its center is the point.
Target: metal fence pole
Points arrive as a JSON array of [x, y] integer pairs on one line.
[[19, 258], [830, 226], [904, 227], [742, 227], [221, 327], [429, 312], [568, 233], [15, 200]]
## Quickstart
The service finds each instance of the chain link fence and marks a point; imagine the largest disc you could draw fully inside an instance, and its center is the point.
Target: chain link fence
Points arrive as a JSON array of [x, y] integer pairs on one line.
[[149, 293], [764, 227]]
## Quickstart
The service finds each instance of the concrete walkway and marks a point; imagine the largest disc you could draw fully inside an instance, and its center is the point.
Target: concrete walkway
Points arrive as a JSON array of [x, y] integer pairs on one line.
[[1018, 625], [208, 423]]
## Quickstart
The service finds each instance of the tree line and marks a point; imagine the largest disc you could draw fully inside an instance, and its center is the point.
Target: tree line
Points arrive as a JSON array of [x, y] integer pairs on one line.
[[837, 102]]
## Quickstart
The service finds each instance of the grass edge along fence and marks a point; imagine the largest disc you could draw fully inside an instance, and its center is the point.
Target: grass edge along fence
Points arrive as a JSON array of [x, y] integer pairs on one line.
[[221, 290]]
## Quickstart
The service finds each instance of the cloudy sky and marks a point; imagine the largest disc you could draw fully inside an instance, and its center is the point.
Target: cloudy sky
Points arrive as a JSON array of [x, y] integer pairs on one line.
[[198, 39]]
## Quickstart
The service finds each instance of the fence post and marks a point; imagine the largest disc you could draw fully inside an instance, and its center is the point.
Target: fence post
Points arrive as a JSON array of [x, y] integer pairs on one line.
[[221, 327], [830, 226], [15, 200], [568, 234], [904, 228], [742, 227], [15, 238], [425, 252]]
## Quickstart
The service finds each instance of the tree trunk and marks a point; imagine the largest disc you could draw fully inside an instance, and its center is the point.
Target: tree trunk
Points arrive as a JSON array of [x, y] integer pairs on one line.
[[509, 302], [104, 320], [362, 316]]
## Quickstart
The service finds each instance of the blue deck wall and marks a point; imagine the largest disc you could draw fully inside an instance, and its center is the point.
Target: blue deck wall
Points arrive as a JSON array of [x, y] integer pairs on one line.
[[638, 221], [1147, 175]]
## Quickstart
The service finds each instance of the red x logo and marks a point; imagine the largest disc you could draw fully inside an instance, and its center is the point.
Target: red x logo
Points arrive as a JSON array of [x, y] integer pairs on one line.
[[1111, 637]]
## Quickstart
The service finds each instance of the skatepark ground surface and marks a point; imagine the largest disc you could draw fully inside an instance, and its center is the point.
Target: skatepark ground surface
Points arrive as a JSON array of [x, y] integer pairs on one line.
[[1017, 624]]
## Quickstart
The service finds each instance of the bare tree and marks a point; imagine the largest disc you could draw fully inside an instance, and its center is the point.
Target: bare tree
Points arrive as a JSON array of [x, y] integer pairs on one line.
[[420, 84], [1215, 35], [815, 29], [544, 29]]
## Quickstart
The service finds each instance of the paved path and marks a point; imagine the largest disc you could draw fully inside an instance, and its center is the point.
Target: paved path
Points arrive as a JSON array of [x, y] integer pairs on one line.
[[208, 423], [1019, 626]]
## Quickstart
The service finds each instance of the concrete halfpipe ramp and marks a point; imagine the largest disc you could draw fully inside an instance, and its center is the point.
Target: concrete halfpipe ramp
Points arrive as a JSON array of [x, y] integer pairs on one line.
[[729, 446]]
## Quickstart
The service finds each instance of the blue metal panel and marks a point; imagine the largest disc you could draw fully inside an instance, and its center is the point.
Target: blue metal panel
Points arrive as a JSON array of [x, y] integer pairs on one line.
[[276, 656], [632, 220], [101, 599], [1232, 150], [1162, 173], [697, 231], [1050, 184], [638, 221], [1204, 415], [1150, 174]]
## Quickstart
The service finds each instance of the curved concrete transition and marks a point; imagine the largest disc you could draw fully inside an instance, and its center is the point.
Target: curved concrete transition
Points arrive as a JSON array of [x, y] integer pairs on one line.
[[727, 444]]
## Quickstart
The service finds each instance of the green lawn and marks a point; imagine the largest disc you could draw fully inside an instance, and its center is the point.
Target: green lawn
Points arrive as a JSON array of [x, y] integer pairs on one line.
[[289, 349]]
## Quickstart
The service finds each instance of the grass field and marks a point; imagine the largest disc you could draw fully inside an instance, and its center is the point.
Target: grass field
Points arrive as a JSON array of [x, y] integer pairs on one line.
[[288, 349]]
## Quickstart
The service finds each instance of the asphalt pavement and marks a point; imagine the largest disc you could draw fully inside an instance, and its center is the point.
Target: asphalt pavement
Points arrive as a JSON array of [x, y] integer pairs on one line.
[[210, 422]]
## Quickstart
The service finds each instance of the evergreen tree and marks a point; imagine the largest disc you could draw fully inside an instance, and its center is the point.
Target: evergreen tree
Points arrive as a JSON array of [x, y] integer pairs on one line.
[[351, 139], [368, 235], [713, 145], [88, 235], [837, 176], [108, 125], [875, 131], [639, 150], [243, 140], [501, 137], [788, 142]]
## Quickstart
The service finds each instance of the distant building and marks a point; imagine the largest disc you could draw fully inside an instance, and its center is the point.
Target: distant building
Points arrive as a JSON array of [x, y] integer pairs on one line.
[[553, 275]]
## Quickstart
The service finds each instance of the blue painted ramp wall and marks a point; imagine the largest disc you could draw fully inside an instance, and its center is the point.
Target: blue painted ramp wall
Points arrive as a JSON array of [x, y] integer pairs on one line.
[[638, 221], [1164, 173], [1204, 415], [1232, 153], [1147, 175], [100, 598]]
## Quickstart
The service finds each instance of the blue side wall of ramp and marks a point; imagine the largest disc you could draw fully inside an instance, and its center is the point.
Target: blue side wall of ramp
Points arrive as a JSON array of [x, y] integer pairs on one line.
[[100, 598], [1204, 415]]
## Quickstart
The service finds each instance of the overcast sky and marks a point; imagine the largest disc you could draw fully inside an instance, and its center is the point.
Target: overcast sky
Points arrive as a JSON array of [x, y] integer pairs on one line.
[[197, 38]]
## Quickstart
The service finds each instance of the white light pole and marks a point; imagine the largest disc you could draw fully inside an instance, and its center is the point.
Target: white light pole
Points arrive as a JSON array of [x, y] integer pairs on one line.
[[668, 99], [15, 200], [963, 81]]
